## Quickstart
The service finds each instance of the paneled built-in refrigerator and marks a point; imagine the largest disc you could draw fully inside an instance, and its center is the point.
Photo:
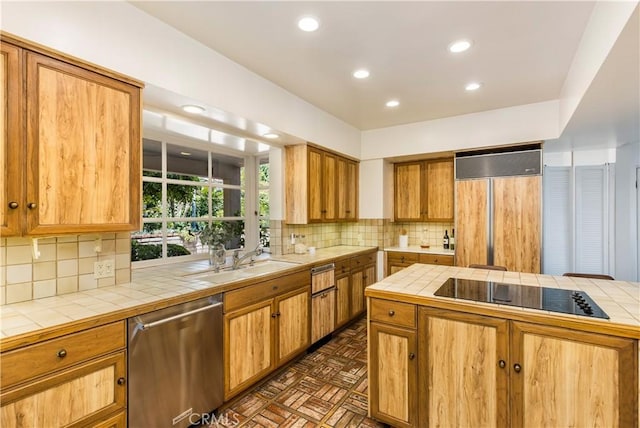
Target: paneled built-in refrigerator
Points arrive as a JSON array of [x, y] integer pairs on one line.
[[498, 216]]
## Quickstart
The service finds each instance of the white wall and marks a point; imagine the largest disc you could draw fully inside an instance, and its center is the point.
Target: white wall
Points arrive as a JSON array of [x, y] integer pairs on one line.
[[626, 216], [119, 36], [511, 125], [579, 157], [606, 22]]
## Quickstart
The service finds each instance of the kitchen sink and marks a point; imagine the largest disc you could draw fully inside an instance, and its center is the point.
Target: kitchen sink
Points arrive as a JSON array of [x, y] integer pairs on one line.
[[243, 272]]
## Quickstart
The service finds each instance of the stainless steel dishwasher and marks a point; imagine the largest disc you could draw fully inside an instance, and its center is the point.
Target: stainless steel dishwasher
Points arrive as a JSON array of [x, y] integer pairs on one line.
[[175, 364]]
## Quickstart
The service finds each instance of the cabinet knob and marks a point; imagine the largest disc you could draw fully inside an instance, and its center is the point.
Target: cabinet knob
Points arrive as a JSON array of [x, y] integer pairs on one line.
[[274, 288], [121, 381], [278, 313], [517, 367], [32, 205], [13, 205], [412, 356], [402, 259], [392, 313], [62, 353], [502, 364], [273, 315]]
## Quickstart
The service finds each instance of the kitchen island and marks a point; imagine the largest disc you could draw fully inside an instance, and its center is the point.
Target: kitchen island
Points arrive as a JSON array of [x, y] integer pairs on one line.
[[441, 361]]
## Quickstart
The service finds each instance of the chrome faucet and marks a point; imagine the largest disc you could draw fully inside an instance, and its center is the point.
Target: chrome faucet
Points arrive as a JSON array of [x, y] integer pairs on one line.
[[237, 259]]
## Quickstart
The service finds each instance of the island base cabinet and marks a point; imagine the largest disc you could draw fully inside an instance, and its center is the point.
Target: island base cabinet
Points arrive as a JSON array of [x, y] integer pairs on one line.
[[394, 372], [85, 395], [565, 378], [463, 383]]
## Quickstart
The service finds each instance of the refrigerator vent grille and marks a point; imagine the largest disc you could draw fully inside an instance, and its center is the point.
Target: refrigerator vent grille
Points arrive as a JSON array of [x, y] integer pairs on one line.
[[507, 164]]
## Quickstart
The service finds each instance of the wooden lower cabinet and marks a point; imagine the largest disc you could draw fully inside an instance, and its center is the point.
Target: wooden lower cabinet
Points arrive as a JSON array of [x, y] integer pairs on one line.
[[85, 395], [343, 298], [323, 314], [262, 336], [398, 260]]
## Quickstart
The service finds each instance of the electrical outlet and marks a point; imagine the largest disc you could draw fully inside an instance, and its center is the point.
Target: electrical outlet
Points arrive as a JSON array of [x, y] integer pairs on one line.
[[103, 269]]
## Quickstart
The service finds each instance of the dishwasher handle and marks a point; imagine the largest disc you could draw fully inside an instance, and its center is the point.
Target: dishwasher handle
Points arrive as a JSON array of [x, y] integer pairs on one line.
[[319, 269], [178, 316]]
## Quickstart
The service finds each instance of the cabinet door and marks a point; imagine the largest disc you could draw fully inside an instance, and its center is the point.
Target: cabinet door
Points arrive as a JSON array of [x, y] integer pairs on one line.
[[293, 324], [82, 395], [323, 315], [407, 193], [357, 293], [11, 143], [369, 275], [83, 150], [248, 335], [464, 382], [394, 373], [314, 161], [347, 185], [343, 297], [439, 190], [329, 185], [471, 222], [517, 223], [569, 379]]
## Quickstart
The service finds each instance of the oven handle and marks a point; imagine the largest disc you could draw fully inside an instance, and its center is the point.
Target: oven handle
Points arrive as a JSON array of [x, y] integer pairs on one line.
[[319, 269], [178, 316]]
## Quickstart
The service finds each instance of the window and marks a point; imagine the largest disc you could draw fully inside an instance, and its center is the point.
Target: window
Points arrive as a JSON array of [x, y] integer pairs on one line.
[[263, 201], [190, 195]]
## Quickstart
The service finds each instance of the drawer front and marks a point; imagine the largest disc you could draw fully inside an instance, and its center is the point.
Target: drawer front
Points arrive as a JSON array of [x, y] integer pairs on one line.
[[42, 358], [246, 296], [322, 281], [361, 261], [436, 259], [403, 314], [397, 257], [343, 267]]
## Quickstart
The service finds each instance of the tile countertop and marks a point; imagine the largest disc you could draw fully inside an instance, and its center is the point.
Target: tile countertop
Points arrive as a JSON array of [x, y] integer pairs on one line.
[[150, 288], [418, 249], [619, 299]]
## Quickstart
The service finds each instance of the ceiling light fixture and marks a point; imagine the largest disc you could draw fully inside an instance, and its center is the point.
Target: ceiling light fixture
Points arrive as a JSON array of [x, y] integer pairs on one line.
[[393, 103], [190, 108], [361, 74], [459, 46], [185, 153], [270, 135], [472, 86], [308, 24]]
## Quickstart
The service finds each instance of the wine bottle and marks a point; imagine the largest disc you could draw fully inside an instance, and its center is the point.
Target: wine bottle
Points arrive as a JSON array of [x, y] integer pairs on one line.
[[452, 240], [445, 240]]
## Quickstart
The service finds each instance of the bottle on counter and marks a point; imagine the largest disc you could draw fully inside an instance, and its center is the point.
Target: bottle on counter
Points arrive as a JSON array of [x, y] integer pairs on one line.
[[452, 240], [445, 240]]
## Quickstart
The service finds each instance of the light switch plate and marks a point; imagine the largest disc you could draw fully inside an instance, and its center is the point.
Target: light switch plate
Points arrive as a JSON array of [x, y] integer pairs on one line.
[[104, 269]]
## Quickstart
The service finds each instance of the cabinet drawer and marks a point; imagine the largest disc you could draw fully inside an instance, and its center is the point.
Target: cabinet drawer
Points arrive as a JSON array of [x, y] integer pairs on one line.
[[42, 358], [245, 296], [343, 267], [396, 257], [436, 259], [397, 313], [361, 261]]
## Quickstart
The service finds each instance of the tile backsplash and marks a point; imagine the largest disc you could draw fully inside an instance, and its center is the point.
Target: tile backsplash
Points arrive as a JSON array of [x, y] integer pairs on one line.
[[65, 265]]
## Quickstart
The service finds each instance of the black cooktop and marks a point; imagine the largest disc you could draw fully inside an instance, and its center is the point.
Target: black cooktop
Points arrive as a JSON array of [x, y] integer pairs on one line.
[[547, 299]]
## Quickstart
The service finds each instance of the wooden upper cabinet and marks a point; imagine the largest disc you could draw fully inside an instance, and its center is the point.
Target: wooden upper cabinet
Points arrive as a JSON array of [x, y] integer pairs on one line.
[[424, 190], [82, 145], [11, 147], [321, 186]]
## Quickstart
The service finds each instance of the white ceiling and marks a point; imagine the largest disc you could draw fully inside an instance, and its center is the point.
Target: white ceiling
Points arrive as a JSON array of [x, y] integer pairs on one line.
[[521, 51]]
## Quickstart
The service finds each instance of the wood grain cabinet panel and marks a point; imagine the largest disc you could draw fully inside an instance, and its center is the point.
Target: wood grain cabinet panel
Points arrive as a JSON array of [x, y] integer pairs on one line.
[[343, 299], [81, 396], [471, 222], [293, 326], [321, 186], [80, 149], [423, 191], [394, 372], [323, 314], [11, 138]]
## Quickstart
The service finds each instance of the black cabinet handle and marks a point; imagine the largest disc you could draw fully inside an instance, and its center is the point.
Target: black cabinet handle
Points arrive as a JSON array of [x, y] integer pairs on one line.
[[121, 381], [62, 353], [273, 315], [13, 205], [392, 313], [412, 356], [502, 364], [517, 367]]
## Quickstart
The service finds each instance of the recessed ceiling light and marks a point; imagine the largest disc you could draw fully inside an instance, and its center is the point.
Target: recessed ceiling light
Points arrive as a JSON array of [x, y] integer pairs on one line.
[[361, 74], [472, 86], [193, 109], [185, 153], [459, 46], [270, 135], [308, 24], [393, 103]]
